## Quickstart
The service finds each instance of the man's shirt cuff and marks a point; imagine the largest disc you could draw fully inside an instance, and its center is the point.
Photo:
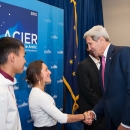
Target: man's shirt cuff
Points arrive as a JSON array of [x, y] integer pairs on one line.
[[125, 125], [95, 117]]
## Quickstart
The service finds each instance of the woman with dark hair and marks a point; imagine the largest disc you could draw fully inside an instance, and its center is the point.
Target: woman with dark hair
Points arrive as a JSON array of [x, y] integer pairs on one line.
[[41, 105]]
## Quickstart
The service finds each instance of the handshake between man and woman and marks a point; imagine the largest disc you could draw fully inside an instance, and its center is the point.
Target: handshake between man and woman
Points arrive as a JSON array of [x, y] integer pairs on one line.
[[89, 116]]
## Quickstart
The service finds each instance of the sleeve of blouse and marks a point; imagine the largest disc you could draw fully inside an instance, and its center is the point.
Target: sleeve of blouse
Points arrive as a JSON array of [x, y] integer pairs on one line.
[[44, 102]]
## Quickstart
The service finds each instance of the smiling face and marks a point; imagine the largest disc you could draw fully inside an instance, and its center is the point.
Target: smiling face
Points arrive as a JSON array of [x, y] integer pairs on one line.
[[45, 73], [95, 46]]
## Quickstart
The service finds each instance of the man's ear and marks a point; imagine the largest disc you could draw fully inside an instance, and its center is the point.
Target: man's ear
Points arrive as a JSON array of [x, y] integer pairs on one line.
[[11, 57], [101, 39]]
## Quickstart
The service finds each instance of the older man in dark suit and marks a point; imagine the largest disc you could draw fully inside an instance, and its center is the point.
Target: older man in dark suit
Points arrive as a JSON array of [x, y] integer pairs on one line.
[[89, 89], [114, 79]]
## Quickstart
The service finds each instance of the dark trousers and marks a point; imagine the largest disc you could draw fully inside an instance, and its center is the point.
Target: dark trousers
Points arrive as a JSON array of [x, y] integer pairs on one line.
[[46, 128]]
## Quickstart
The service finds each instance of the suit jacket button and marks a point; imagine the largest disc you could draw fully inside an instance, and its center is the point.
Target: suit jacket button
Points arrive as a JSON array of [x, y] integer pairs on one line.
[[106, 99]]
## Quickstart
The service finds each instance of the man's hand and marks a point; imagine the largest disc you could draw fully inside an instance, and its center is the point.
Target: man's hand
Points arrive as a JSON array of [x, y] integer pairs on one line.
[[89, 117], [122, 128]]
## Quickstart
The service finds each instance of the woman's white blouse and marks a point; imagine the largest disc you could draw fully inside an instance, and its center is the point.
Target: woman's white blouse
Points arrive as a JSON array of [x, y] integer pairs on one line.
[[43, 110]]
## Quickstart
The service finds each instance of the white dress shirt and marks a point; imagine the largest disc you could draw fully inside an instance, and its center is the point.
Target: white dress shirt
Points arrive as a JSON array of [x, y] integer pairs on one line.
[[105, 52], [97, 62]]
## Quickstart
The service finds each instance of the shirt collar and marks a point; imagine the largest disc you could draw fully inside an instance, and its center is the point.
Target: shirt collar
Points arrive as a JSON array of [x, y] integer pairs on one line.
[[7, 76], [94, 59], [106, 50]]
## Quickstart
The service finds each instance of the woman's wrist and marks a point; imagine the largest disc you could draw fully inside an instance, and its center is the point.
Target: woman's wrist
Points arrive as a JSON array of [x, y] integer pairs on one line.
[[84, 117]]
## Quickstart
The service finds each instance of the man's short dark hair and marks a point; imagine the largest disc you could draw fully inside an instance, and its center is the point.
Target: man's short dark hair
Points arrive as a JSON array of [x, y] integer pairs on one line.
[[8, 45]]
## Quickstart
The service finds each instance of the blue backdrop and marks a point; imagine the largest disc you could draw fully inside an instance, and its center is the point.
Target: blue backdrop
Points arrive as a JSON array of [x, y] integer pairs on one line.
[[40, 27]]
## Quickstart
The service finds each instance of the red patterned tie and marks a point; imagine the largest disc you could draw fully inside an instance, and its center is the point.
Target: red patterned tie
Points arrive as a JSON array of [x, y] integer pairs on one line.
[[103, 70]]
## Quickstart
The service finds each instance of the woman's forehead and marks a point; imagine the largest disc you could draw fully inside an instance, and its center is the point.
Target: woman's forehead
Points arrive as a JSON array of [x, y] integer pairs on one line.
[[44, 65]]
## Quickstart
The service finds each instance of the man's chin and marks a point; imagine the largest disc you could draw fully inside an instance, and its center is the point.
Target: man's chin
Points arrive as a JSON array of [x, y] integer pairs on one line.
[[95, 54], [19, 72]]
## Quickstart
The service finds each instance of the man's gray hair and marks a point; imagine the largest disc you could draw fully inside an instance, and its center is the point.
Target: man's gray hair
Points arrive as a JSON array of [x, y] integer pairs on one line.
[[96, 32]]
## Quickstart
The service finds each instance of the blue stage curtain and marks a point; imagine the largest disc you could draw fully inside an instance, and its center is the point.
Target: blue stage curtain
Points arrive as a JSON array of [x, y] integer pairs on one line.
[[89, 14]]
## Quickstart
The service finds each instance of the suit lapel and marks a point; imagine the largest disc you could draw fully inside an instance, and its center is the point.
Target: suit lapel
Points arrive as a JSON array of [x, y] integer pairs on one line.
[[108, 64]]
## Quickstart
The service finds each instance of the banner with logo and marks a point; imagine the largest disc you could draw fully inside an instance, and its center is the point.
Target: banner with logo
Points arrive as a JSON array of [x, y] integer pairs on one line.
[[40, 27]]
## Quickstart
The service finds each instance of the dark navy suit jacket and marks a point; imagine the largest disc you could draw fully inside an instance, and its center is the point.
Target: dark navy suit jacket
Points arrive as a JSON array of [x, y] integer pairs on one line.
[[115, 102]]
